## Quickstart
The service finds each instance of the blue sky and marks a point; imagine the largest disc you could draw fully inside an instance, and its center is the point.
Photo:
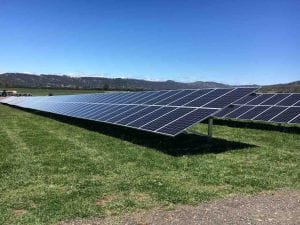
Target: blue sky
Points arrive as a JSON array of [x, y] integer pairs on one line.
[[232, 41]]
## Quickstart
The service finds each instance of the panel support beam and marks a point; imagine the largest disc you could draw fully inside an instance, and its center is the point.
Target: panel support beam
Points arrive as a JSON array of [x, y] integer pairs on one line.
[[210, 127]]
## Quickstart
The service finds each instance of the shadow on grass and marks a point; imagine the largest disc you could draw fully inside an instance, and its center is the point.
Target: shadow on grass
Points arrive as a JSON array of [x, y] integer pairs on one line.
[[280, 127], [183, 144]]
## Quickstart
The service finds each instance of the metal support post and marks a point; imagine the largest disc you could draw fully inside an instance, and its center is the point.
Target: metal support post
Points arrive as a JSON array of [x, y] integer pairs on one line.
[[210, 127]]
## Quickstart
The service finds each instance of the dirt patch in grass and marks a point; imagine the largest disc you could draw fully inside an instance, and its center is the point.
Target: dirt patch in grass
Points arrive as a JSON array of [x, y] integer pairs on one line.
[[106, 199], [269, 208], [19, 212]]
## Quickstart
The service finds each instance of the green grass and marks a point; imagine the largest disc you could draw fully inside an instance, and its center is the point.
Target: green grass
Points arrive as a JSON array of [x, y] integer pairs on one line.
[[54, 169], [46, 91]]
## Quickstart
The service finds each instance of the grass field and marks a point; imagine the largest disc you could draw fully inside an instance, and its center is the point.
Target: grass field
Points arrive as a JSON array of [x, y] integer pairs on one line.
[[46, 91], [53, 168]]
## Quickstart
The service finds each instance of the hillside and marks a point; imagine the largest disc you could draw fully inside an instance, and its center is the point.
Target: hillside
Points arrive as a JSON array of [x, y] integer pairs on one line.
[[55, 81], [290, 87]]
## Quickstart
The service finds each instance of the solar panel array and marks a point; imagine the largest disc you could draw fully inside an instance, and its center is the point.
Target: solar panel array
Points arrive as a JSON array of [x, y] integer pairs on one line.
[[280, 108], [166, 112]]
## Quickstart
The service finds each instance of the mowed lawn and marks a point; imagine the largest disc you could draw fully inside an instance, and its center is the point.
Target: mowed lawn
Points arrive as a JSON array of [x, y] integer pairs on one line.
[[54, 169]]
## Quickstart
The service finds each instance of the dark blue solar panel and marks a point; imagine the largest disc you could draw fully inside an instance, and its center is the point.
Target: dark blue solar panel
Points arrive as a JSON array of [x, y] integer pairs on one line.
[[275, 99], [87, 110], [116, 112], [151, 116], [190, 97], [208, 97], [66, 108], [154, 95], [140, 97], [296, 120], [80, 107], [110, 109], [115, 96], [175, 97], [289, 101], [122, 99], [228, 98], [253, 112], [52, 107], [246, 99], [260, 99], [98, 111], [126, 113], [167, 118], [119, 108], [186, 121], [297, 104], [287, 115], [270, 113], [239, 111], [104, 98], [226, 110], [130, 117], [162, 97]]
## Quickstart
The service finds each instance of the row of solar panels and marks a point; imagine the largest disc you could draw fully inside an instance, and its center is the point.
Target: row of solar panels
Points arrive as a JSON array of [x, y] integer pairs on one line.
[[282, 108], [168, 112], [164, 112]]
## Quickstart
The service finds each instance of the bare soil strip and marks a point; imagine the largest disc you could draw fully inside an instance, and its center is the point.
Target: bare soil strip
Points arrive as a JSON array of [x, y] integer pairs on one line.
[[269, 208]]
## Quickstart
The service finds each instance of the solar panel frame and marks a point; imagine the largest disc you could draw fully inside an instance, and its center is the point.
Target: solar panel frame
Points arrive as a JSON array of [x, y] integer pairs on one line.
[[271, 110], [57, 104]]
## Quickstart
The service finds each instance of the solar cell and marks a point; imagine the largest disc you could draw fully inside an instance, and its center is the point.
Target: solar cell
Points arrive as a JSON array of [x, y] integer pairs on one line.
[[279, 107], [98, 111], [295, 120], [204, 99], [175, 97], [167, 118], [124, 114], [110, 109], [286, 115], [228, 98], [289, 101], [260, 99], [253, 112], [131, 116], [116, 112], [190, 97], [246, 99], [150, 117], [226, 110], [239, 111], [269, 113], [166, 95], [148, 98], [297, 104], [186, 121], [155, 111], [275, 99]]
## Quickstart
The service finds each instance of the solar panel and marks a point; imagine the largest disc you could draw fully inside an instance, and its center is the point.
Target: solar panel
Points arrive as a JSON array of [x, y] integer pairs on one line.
[[281, 108], [166, 112]]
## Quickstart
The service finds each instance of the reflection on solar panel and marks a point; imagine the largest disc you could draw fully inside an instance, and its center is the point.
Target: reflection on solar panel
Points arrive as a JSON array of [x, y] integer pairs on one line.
[[281, 108], [164, 112]]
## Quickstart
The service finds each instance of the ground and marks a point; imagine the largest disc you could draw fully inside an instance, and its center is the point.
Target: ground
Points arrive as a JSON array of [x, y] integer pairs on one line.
[[281, 207], [55, 169]]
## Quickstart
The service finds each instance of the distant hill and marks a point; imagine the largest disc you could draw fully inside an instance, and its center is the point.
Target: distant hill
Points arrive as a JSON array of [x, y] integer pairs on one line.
[[55, 81], [282, 88], [22, 80]]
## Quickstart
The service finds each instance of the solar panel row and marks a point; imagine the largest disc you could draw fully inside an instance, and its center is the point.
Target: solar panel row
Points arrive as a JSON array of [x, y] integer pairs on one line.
[[165, 112], [282, 108]]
